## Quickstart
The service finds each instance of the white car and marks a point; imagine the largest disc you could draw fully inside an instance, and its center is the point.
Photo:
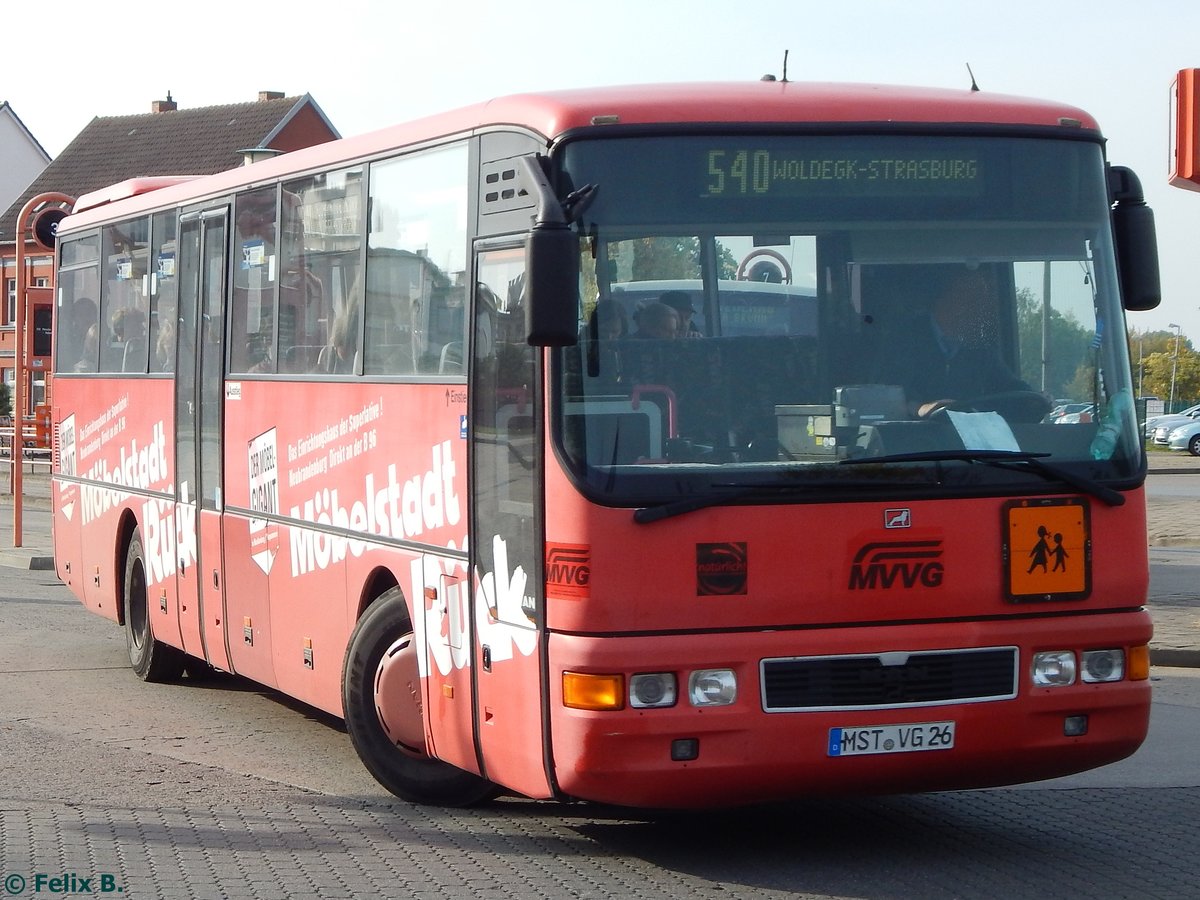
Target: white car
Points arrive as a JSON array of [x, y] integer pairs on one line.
[[1186, 437], [1172, 419]]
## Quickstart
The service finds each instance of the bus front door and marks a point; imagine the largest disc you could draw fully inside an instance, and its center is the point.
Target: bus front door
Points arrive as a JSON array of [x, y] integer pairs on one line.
[[506, 531], [199, 388]]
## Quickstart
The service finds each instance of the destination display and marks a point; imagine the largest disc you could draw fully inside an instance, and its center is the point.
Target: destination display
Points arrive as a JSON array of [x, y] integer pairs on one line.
[[764, 172], [790, 178]]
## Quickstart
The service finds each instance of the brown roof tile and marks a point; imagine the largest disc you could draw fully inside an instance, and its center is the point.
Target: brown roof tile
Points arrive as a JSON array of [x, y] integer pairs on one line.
[[197, 141]]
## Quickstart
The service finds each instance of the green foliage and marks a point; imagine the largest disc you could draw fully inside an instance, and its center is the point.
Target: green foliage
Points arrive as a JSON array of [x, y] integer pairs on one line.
[[1070, 366], [661, 258], [5, 400], [1153, 354]]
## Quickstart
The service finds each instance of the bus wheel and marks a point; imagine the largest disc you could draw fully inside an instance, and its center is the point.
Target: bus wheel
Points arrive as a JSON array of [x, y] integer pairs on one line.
[[381, 696], [151, 660]]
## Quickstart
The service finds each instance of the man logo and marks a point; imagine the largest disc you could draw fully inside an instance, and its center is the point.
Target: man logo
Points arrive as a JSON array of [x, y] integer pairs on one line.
[[887, 564], [897, 518]]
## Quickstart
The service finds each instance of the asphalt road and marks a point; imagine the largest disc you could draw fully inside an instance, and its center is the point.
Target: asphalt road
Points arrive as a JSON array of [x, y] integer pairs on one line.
[[221, 789]]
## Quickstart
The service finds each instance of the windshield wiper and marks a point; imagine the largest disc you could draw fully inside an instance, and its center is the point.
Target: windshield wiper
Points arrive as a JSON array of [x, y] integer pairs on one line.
[[1004, 459], [732, 493], [671, 508]]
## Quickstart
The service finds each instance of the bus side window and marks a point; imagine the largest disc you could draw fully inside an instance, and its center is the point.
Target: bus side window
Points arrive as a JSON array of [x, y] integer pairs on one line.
[[416, 264], [121, 332], [320, 290], [254, 266], [163, 288]]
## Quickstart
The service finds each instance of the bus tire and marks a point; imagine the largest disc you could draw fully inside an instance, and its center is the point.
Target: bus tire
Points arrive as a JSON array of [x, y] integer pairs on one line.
[[151, 660], [382, 645]]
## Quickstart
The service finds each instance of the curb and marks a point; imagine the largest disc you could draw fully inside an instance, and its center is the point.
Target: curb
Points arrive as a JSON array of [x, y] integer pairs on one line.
[[32, 560], [1174, 658]]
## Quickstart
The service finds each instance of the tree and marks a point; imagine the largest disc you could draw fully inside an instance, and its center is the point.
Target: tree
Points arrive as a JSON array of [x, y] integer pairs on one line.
[[5, 400], [1070, 356], [1154, 355]]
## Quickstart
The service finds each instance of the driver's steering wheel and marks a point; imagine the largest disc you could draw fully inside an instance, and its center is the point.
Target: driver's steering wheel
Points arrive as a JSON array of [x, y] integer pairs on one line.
[[1015, 406]]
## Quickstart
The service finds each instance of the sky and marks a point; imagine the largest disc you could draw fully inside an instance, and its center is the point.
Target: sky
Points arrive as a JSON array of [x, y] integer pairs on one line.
[[372, 63]]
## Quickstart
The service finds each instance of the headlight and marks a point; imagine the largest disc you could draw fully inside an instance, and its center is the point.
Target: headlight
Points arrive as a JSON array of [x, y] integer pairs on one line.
[[1103, 665], [652, 689], [1053, 668], [712, 687]]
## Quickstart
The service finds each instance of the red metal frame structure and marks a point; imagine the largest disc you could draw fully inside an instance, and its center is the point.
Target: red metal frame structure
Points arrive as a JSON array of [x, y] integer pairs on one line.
[[1185, 131], [384, 452], [49, 207]]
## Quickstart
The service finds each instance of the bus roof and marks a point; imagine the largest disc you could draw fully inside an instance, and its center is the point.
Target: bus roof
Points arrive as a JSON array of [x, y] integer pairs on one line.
[[553, 114]]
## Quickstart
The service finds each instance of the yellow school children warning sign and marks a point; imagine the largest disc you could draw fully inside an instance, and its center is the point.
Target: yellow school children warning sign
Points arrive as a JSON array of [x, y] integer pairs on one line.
[[1047, 549]]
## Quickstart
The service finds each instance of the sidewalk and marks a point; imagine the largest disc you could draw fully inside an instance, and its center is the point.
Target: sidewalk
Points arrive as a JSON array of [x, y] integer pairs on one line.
[[1173, 526], [36, 550]]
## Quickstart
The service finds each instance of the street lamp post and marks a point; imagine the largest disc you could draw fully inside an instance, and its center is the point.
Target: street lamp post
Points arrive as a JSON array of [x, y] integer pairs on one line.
[[1174, 364]]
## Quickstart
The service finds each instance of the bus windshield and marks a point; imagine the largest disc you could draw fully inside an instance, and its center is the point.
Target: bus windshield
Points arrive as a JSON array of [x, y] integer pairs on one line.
[[788, 316]]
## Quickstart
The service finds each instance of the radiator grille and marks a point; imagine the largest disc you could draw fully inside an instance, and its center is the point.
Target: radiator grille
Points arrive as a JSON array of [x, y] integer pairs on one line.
[[890, 679]]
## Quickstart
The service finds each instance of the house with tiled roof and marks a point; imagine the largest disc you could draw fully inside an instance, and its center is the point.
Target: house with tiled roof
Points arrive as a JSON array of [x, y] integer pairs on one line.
[[110, 149]]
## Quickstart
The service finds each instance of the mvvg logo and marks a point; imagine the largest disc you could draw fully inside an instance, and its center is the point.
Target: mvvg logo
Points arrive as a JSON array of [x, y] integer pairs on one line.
[[569, 570], [888, 564]]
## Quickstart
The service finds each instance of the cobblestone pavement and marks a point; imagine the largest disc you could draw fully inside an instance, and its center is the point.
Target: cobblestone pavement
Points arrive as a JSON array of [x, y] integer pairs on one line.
[[1113, 843]]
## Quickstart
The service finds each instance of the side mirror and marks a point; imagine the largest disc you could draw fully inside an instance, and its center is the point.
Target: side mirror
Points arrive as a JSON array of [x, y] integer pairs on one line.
[[552, 287], [551, 267], [1136, 241]]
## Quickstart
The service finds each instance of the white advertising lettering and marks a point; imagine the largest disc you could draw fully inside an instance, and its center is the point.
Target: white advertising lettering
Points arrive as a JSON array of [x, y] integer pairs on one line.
[[387, 507], [446, 636], [169, 538]]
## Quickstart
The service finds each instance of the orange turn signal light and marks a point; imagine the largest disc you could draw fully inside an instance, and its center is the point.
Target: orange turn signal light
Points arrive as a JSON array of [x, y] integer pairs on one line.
[[583, 690], [1138, 668]]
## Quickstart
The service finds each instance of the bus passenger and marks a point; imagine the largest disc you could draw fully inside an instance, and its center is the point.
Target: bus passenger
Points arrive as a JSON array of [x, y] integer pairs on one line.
[[90, 350], [682, 304], [608, 322], [339, 357], [656, 320], [82, 315], [164, 347], [129, 331]]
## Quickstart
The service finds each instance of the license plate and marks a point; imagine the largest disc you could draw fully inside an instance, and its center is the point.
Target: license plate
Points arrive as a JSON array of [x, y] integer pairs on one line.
[[911, 738]]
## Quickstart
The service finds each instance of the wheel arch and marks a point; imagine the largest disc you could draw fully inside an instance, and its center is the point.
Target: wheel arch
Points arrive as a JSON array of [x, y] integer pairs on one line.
[[126, 527], [378, 582]]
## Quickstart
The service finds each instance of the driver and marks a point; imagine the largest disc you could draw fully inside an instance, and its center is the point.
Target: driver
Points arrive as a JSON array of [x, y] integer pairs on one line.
[[951, 355]]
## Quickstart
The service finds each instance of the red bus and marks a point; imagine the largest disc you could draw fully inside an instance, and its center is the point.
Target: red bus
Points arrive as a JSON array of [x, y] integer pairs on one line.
[[382, 424]]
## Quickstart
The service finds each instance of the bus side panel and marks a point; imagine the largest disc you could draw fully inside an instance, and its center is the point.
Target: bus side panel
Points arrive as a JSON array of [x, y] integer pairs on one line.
[[309, 625], [247, 592], [112, 442], [323, 462], [66, 515]]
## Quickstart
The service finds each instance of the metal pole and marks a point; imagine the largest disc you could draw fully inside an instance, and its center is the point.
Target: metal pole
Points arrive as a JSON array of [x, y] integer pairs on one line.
[[1174, 363], [21, 361], [1141, 369]]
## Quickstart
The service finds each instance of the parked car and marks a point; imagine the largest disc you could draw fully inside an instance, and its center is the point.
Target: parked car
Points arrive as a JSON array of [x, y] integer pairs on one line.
[[1185, 437], [1066, 408], [1077, 413], [1171, 419]]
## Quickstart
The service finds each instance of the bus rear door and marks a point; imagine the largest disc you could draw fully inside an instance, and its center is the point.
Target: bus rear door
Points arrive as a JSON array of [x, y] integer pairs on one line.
[[199, 390]]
